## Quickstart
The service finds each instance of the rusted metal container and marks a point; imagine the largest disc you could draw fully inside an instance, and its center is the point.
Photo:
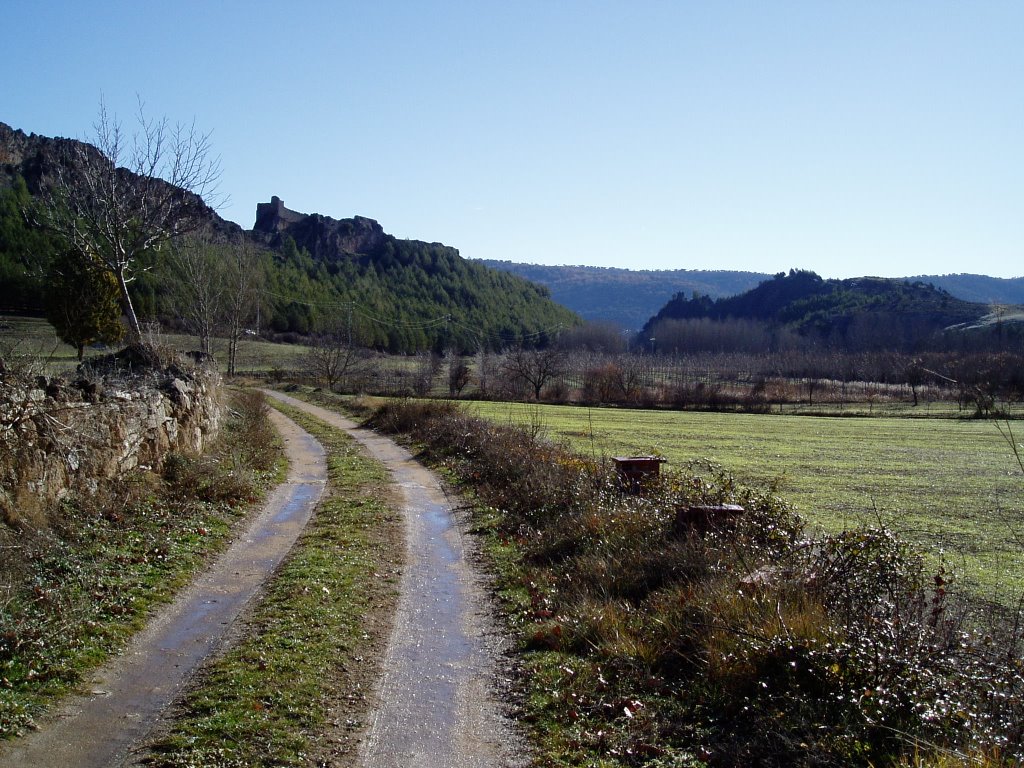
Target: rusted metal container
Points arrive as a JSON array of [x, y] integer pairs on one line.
[[635, 471]]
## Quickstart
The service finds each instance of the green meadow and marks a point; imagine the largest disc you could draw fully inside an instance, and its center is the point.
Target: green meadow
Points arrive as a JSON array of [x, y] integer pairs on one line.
[[950, 486]]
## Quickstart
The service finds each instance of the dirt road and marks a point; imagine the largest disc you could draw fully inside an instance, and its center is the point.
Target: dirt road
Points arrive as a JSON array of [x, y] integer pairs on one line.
[[435, 705], [436, 701], [127, 695]]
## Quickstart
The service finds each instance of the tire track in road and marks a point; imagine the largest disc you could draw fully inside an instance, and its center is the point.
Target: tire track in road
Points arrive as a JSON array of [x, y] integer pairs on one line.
[[128, 694], [436, 700]]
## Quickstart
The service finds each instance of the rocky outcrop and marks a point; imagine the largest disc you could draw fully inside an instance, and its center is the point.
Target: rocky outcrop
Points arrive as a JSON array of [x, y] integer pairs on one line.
[[323, 237], [59, 437]]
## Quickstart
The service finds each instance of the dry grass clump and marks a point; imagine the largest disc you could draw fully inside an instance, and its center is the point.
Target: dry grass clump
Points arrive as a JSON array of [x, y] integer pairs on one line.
[[648, 642]]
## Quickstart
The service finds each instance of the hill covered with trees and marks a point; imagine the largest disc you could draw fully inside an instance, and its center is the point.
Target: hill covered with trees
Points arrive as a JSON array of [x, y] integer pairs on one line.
[[978, 288], [348, 275], [629, 297], [626, 297], [301, 274], [800, 308]]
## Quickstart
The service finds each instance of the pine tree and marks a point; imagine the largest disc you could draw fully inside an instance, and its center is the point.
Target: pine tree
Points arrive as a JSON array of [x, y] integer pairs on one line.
[[83, 301]]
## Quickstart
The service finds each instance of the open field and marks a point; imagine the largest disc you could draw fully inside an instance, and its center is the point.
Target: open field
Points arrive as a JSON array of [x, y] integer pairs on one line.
[[35, 337], [951, 486]]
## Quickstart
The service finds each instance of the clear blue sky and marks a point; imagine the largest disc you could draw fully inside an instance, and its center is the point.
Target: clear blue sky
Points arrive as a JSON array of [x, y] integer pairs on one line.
[[851, 138]]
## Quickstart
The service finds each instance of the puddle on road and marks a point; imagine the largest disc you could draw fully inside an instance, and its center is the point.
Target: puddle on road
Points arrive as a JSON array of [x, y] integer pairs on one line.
[[300, 500], [436, 707]]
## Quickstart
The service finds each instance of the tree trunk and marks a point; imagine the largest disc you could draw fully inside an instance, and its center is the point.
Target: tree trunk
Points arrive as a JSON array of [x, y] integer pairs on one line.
[[134, 329]]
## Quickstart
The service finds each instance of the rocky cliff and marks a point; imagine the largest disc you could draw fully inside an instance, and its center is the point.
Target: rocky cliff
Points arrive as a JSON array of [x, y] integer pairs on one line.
[[322, 236], [37, 159]]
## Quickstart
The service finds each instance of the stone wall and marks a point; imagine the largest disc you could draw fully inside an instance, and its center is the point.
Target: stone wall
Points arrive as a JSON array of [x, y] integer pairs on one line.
[[58, 437]]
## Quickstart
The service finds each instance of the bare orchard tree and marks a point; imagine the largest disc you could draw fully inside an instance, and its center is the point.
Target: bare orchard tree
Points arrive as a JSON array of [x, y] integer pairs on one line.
[[334, 358], [120, 198], [428, 365], [197, 283], [632, 371], [458, 373], [243, 279], [485, 371], [534, 368]]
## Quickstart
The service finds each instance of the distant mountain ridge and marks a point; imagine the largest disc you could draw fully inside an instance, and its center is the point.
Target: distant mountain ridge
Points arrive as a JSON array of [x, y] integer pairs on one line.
[[626, 297], [629, 298], [979, 288]]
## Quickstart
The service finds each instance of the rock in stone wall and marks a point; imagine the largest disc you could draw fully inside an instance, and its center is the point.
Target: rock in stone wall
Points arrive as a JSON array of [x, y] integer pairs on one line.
[[58, 437]]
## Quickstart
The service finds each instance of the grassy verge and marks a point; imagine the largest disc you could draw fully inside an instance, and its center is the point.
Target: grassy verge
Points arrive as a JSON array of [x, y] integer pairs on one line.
[[73, 592], [650, 637], [293, 689], [950, 486]]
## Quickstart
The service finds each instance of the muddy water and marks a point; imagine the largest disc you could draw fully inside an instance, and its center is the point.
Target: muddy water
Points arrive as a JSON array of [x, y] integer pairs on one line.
[[436, 701], [126, 697]]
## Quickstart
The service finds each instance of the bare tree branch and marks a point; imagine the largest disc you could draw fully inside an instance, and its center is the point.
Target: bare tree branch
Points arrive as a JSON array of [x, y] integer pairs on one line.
[[120, 201]]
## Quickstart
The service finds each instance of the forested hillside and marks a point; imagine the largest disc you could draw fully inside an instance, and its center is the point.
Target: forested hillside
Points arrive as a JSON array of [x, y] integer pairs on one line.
[[801, 308], [302, 274], [979, 288], [627, 297], [401, 295]]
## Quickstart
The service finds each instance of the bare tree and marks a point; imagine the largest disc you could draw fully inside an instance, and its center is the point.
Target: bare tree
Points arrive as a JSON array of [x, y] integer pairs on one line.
[[428, 365], [243, 280], [197, 281], [630, 376], [335, 357], [534, 367], [123, 197], [458, 373], [485, 365]]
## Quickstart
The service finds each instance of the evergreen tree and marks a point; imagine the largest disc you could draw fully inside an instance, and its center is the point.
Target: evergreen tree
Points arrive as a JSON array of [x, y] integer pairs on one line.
[[83, 301]]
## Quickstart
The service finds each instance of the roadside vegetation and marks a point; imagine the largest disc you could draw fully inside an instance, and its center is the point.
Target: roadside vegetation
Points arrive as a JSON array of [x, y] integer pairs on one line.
[[951, 487], [73, 589], [293, 689], [656, 636]]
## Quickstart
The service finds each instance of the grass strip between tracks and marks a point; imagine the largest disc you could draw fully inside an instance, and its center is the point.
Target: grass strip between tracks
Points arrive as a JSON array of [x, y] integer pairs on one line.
[[294, 688]]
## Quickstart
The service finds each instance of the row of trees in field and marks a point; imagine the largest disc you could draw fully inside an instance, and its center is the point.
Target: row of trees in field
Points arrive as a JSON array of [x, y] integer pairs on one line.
[[981, 383]]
